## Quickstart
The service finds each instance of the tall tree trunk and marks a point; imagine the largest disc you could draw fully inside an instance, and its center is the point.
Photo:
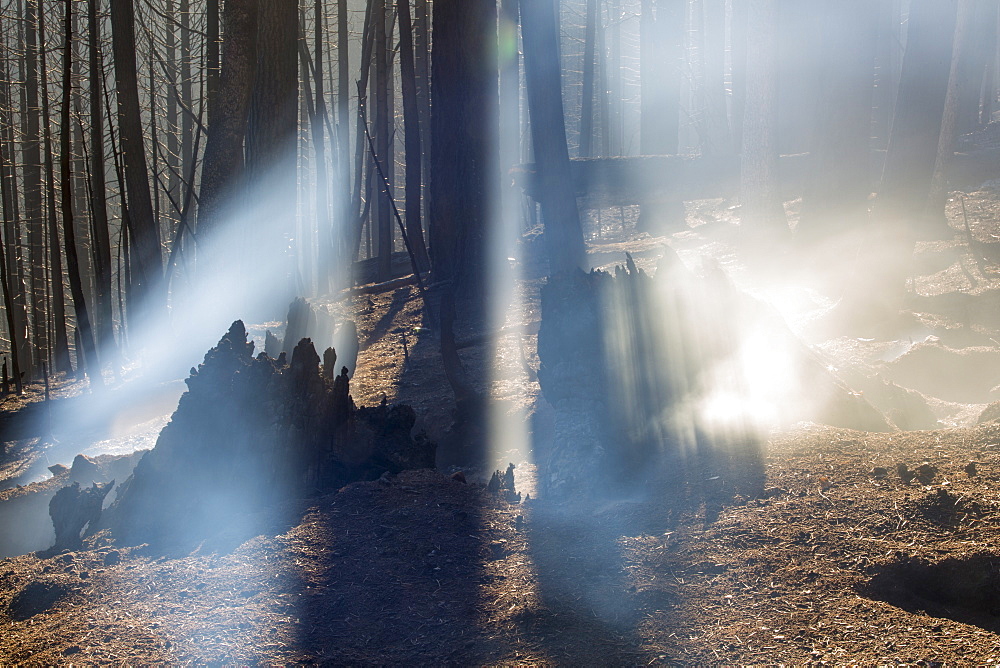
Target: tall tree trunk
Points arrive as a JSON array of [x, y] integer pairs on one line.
[[88, 361], [916, 127], [145, 230], [187, 94], [510, 122], [222, 173], [272, 143], [60, 348], [326, 256], [876, 292], [172, 121], [836, 200], [12, 328], [353, 226], [14, 289], [661, 52], [342, 276], [762, 212], [464, 129], [717, 138], [615, 121], [563, 231], [98, 188], [973, 64], [212, 41], [950, 118], [32, 179], [411, 123], [885, 81], [421, 56], [739, 28], [587, 95], [383, 227]]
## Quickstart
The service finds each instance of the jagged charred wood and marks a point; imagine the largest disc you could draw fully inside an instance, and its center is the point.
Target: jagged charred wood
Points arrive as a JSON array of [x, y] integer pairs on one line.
[[252, 433], [73, 508]]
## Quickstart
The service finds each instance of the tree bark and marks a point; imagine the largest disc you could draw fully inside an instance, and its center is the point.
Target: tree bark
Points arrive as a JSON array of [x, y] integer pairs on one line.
[[326, 257], [98, 189], [147, 281], [874, 294], [836, 200], [342, 274], [950, 118], [32, 178], [411, 122], [353, 225], [563, 231], [272, 141], [717, 135], [916, 127], [762, 212], [383, 217], [88, 361], [464, 129], [60, 347], [213, 78], [587, 95], [222, 174]]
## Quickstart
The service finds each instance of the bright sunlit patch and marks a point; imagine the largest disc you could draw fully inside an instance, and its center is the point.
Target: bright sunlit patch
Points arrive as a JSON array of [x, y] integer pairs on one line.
[[730, 409]]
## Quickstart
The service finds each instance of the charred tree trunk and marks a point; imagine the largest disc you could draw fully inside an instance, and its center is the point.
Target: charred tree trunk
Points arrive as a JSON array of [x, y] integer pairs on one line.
[[383, 227], [464, 128], [222, 175], [326, 257], [60, 348], [411, 122], [563, 231], [874, 297], [32, 177], [341, 276], [950, 118], [661, 42], [98, 189], [587, 96], [359, 204], [212, 68], [421, 56], [187, 95], [88, 360], [271, 144], [718, 137], [837, 197], [14, 288], [12, 328], [738, 49], [916, 127], [761, 208], [145, 231]]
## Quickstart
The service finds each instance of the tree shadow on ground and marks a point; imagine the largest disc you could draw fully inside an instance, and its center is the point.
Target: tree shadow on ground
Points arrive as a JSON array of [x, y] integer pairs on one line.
[[391, 572]]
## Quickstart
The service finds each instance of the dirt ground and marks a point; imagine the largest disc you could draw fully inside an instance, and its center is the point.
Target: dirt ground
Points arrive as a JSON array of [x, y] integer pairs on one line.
[[865, 548]]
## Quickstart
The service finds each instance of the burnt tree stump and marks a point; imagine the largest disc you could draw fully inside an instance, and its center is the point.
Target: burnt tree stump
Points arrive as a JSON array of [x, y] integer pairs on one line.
[[73, 508], [252, 433]]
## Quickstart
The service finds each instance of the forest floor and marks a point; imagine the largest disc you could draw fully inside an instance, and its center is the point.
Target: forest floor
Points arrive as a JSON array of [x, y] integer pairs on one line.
[[842, 559]]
